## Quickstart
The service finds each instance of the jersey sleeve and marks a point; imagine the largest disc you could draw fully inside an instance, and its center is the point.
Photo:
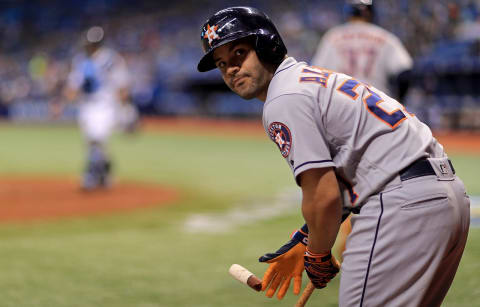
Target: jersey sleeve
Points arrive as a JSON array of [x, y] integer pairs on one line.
[[322, 56], [120, 75], [75, 77], [400, 59], [289, 121]]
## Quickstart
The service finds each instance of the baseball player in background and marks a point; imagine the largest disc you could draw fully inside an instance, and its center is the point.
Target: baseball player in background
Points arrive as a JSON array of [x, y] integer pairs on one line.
[[99, 81], [365, 51], [350, 147]]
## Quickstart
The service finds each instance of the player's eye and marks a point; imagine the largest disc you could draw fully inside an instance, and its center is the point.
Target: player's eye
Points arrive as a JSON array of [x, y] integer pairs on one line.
[[221, 64], [239, 52]]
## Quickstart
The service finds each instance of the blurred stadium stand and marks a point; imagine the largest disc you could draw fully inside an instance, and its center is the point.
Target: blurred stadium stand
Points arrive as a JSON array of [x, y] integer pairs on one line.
[[160, 41]]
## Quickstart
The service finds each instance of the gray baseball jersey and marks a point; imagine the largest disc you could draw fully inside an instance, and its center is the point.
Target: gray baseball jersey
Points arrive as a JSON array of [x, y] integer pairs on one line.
[[321, 118], [411, 230], [363, 50]]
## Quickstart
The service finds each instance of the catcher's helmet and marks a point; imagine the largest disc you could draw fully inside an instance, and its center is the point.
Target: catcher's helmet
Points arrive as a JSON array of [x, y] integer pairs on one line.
[[234, 23]]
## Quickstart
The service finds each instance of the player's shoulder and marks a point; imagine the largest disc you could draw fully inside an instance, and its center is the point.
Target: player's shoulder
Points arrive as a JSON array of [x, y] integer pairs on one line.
[[109, 57], [78, 57], [297, 87], [287, 80], [106, 53], [388, 36], [360, 29], [336, 32]]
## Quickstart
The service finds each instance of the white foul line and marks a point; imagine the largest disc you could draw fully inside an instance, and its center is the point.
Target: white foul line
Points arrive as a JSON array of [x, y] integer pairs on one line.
[[283, 203]]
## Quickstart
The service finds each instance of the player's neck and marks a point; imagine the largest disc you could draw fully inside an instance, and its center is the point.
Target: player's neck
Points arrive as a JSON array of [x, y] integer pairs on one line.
[[263, 96], [359, 19], [271, 68]]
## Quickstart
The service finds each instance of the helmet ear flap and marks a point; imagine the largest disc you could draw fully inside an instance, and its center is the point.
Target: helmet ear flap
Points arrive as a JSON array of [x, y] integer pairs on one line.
[[270, 48]]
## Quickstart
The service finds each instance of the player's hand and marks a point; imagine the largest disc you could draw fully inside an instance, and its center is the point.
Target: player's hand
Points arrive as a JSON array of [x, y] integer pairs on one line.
[[321, 268], [285, 264]]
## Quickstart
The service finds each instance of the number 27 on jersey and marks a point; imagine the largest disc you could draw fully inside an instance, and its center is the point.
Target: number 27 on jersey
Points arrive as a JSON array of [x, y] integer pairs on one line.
[[389, 111]]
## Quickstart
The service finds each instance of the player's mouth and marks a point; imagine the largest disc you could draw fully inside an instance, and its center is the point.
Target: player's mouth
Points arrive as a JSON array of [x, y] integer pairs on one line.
[[238, 81]]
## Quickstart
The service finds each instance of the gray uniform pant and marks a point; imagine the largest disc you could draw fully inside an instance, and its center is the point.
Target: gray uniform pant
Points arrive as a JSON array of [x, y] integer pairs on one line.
[[406, 243]]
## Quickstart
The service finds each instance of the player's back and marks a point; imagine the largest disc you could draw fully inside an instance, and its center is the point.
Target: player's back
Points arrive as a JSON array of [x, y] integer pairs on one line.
[[363, 50], [370, 137]]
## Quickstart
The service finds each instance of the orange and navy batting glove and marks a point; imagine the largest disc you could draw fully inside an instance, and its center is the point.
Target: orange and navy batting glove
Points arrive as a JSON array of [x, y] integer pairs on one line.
[[321, 268], [286, 263]]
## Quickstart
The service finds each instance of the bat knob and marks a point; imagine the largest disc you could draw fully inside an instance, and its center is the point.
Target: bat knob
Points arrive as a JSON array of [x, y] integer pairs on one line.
[[245, 277]]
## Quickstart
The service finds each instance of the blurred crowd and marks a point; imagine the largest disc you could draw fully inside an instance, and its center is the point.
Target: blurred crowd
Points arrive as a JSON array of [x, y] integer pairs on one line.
[[160, 41]]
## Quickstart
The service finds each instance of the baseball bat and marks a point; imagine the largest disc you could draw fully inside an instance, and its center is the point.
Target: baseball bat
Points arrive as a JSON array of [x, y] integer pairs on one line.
[[248, 278], [245, 277], [305, 295]]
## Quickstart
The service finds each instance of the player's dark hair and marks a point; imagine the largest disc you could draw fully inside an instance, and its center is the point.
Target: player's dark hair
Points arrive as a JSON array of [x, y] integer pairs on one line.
[[360, 9]]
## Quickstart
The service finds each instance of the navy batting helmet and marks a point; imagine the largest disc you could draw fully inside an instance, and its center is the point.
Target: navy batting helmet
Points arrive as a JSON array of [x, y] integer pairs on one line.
[[235, 23]]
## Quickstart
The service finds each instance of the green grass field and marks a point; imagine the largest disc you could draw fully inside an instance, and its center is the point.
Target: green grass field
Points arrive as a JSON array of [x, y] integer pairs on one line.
[[149, 257]]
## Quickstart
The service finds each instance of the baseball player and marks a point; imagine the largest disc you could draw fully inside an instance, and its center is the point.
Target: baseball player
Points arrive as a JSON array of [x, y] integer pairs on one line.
[[99, 81], [365, 51], [350, 147]]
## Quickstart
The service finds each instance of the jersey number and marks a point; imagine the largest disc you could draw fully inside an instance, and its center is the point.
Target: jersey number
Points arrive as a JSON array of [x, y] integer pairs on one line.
[[359, 62], [390, 112]]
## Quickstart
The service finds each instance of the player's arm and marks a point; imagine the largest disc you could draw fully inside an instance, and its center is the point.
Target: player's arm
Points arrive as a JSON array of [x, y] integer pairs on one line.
[[399, 68], [121, 78], [297, 123], [321, 207], [322, 210], [75, 78], [69, 93], [123, 95], [401, 83], [322, 56]]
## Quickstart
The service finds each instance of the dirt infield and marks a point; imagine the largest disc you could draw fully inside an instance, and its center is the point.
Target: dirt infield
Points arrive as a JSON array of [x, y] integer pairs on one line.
[[30, 198], [460, 142], [46, 198]]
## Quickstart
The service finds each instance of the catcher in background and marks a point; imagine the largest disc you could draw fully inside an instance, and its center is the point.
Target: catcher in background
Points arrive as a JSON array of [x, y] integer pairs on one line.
[[410, 211], [99, 81]]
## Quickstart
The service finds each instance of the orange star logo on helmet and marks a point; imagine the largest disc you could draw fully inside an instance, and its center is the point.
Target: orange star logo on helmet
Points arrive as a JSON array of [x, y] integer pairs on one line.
[[211, 33]]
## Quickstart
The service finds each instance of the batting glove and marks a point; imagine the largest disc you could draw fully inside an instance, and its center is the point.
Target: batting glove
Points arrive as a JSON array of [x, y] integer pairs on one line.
[[320, 268], [285, 264]]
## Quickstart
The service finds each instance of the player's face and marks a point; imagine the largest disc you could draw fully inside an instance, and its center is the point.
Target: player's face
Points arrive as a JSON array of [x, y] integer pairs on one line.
[[242, 71], [91, 48]]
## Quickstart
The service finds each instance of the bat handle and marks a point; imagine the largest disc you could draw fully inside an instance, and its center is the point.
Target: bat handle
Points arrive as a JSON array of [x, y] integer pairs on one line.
[[305, 295]]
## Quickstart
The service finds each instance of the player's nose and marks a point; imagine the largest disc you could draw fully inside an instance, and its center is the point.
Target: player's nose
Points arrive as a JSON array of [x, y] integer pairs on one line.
[[233, 69]]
